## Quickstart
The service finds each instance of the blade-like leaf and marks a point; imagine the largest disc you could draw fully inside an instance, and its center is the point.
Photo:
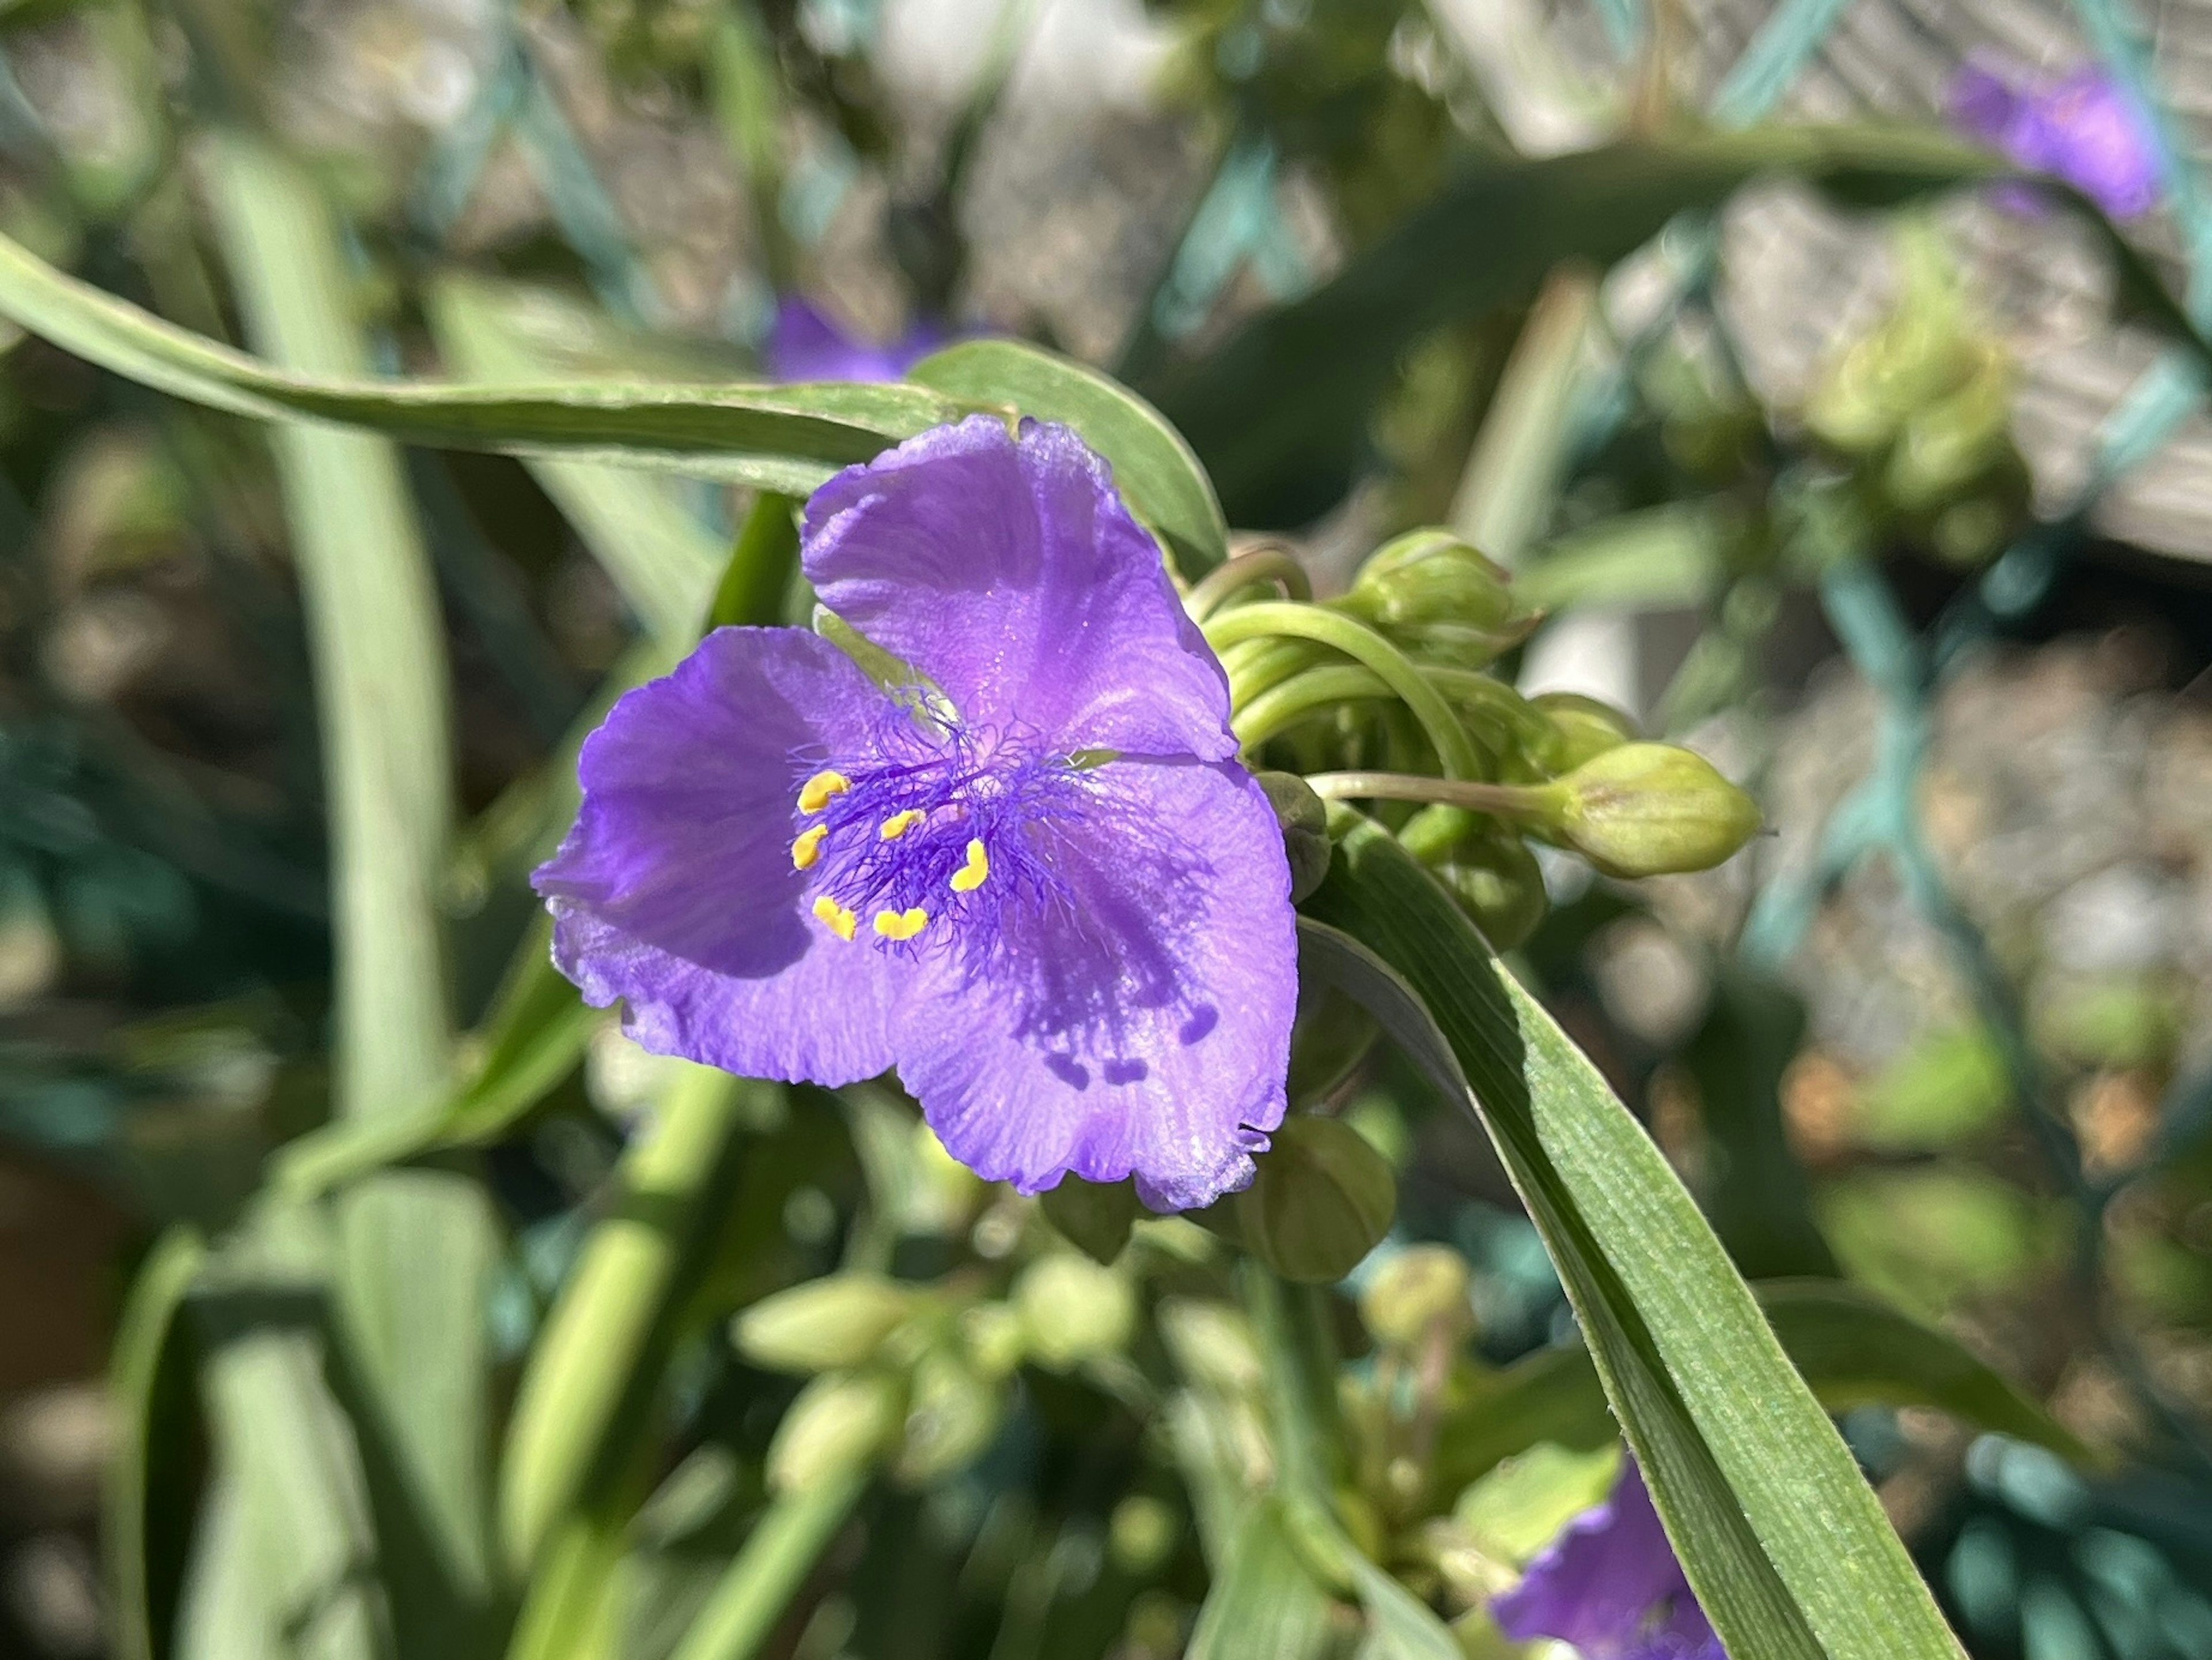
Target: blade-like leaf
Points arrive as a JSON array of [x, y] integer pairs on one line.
[[1265, 1602], [748, 1600], [416, 1253], [1158, 476], [147, 1444], [786, 438], [1786, 1546], [593, 1373], [658, 553], [1850, 1346]]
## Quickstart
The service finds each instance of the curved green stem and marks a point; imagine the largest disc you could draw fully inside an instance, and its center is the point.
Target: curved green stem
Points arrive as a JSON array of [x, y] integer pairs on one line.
[[1516, 801], [1366, 647], [1283, 706], [1254, 667], [749, 1602], [1269, 563]]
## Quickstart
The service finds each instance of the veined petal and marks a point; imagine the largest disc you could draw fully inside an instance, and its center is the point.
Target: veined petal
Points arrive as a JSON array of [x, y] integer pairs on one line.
[[1007, 569], [1136, 1023], [677, 891]]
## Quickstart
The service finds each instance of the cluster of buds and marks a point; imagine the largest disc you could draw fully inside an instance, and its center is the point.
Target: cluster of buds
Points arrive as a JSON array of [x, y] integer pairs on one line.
[[1920, 413], [1382, 695], [918, 1378]]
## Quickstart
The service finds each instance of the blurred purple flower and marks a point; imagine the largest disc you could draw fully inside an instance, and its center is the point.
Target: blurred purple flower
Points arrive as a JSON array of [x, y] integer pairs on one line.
[[1610, 1585], [2081, 129], [1036, 880], [804, 345]]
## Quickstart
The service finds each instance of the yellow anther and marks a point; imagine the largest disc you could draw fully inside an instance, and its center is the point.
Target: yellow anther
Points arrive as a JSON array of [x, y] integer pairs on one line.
[[902, 924], [808, 848], [814, 795], [899, 823], [834, 917], [970, 877]]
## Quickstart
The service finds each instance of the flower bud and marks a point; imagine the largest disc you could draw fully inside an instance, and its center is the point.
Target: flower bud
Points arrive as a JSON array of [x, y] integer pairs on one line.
[[1073, 1310], [1499, 884], [1429, 588], [1418, 1289], [839, 1421], [1140, 1536], [991, 1337], [1647, 809], [952, 1417], [1095, 1217], [1304, 821], [823, 1325], [1321, 1201], [1581, 728]]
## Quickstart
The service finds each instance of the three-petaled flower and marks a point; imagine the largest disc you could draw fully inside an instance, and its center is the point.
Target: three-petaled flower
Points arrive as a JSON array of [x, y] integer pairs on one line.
[[1030, 874], [1610, 1584], [2080, 128]]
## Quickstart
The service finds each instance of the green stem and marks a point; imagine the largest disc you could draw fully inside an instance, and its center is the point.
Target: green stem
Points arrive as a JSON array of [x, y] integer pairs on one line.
[[1522, 802], [1363, 646], [1283, 706], [1260, 665], [1272, 563], [749, 1602]]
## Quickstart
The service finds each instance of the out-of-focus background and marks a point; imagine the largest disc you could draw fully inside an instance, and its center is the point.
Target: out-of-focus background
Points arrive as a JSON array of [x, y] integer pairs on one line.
[[1990, 786]]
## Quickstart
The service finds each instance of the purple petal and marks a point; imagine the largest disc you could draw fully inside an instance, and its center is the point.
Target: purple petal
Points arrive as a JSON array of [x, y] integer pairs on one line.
[[804, 345], [1983, 103], [1610, 1585], [1141, 1026], [675, 890], [1008, 570]]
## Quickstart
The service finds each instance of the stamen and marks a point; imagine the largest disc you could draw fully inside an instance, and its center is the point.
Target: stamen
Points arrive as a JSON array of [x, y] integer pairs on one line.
[[902, 924], [899, 823], [838, 920], [808, 848], [970, 877], [814, 795]]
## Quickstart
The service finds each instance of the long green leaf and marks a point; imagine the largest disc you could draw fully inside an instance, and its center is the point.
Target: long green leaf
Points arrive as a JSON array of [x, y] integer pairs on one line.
[[1786, 1546], [585, 1396], [785, 1544], [658, 553], [145, 1441], [415, 1253], [1852, 1349], [1158, 476], [1264, 1601], [1280, 413], [785, 438]]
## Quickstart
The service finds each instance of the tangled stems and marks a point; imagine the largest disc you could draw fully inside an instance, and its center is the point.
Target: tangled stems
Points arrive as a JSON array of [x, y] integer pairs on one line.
[[1283, 705], [1455, 749], [1270, 563]]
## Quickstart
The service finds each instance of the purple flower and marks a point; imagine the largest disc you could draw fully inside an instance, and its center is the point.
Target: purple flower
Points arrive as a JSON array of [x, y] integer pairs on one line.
[[1610, 1585], [1034, 879], [2081, 129], [804, 345]]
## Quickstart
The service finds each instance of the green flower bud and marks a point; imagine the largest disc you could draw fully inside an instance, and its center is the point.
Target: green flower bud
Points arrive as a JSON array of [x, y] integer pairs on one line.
[[1141, 1535], [952, 1417], [1647, 809], [840, 1421], [1499, 884], [1305, 822], [1321, 1201], [991, 1338], [1073, 1310], [1414, 1292], [825, 1325], [1430, 589], [1095, 1217], [1581, 728]]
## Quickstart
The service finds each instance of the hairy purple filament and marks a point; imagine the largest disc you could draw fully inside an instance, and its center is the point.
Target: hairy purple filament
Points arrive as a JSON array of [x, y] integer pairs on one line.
[[927, 839]]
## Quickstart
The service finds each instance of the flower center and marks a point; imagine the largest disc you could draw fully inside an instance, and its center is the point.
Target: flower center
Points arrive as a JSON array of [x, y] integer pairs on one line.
[[925, 833]]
